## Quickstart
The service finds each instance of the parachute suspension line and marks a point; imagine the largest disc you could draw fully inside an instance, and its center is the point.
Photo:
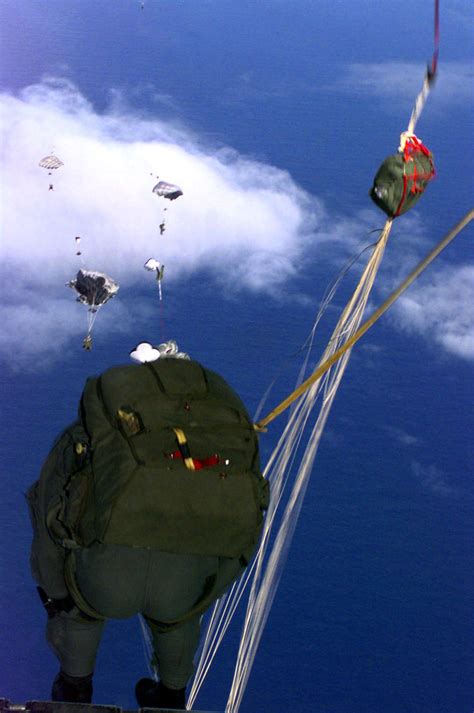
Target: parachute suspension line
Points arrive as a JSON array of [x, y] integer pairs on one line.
[[323, 383], [278, 471], [428, 82], [92, 313], [308, 343], [266, 578], [221, 617], [162, 317], [147, 647], [325, 365], [226, 606], [265, 585]]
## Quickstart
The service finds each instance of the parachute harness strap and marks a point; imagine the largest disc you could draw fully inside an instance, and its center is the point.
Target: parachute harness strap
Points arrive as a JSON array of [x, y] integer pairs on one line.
[[184, 448]]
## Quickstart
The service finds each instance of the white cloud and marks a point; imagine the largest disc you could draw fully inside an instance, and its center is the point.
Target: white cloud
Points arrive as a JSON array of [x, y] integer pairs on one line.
[[433, 479], [401, 81], [233, 210], [442, 310], [402, 436], [462, 13]]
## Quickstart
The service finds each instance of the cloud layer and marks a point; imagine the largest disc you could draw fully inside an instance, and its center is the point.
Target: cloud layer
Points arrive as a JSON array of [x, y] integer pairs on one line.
[[442, 310], [401, 81], [234, 209]]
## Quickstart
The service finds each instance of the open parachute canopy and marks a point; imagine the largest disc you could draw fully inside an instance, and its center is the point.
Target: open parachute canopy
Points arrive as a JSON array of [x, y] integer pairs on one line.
[[167, 190], [146, 352], [154, 265], [93, 288], [51, 162]]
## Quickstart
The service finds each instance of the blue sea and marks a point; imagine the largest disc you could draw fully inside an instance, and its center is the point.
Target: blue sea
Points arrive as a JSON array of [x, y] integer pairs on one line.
[[374, 609]]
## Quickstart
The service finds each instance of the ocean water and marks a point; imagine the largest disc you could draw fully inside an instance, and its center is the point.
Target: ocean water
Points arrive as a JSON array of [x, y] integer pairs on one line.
[[374, 610]]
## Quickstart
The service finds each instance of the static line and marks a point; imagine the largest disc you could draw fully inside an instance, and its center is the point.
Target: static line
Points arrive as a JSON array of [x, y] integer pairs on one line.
[[260, 425]]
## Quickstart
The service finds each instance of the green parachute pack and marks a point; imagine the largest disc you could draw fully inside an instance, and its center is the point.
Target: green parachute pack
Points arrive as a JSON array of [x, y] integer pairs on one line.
[[402, 178], [164, 456]]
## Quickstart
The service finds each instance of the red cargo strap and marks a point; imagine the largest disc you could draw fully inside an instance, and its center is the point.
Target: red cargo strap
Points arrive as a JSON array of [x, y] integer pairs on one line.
[[199, 463], [414, 146]]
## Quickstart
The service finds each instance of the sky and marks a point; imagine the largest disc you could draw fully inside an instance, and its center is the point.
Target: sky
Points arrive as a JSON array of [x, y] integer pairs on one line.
[[273, 118]]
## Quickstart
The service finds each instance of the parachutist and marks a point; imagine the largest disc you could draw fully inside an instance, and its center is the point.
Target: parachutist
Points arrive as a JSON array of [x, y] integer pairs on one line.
[[51, 187], [143, 540], [93, 289], [162, 228], [87, 343]]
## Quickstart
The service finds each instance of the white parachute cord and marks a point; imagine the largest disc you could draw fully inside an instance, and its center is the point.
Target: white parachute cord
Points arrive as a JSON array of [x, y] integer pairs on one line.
[[227, 605], [264, 586], [308, 343], [277, 470], [430, 75], [224, 609], [147, 647], [92, 313], [419, 104], [279, 465]]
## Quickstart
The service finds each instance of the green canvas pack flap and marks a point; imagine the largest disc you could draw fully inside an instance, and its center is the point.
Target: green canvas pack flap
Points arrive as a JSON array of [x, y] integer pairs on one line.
[[174, 461], [58, 507]]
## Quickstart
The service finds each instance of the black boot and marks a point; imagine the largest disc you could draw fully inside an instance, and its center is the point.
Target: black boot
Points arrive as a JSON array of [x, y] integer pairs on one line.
[[150, 694], [72, 689]]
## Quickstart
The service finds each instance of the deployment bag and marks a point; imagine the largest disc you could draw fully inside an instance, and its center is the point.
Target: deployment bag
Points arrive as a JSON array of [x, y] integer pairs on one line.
[[168, 460], [402, 178]]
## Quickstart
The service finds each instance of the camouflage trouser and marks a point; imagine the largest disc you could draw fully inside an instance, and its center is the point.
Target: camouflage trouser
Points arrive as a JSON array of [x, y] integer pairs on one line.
[[118, 582]]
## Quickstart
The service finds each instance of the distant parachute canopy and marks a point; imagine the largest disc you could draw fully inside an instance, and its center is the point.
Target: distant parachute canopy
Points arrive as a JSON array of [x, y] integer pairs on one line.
[[51, 162], [145, 352], [153, 265], [167, 190], [93, 288]]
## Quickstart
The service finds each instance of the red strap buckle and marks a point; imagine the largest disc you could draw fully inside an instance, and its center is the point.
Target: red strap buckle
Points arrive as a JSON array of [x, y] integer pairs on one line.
[[199, 463]]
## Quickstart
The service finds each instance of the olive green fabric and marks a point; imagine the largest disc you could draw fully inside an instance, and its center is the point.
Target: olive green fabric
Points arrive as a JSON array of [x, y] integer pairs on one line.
[[388, 188], [126, 482], [53, 500], [165, 588]]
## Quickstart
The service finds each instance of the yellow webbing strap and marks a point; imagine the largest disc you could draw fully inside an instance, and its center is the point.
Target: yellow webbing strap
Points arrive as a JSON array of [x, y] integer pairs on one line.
[[322, 368], [184, 448]]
